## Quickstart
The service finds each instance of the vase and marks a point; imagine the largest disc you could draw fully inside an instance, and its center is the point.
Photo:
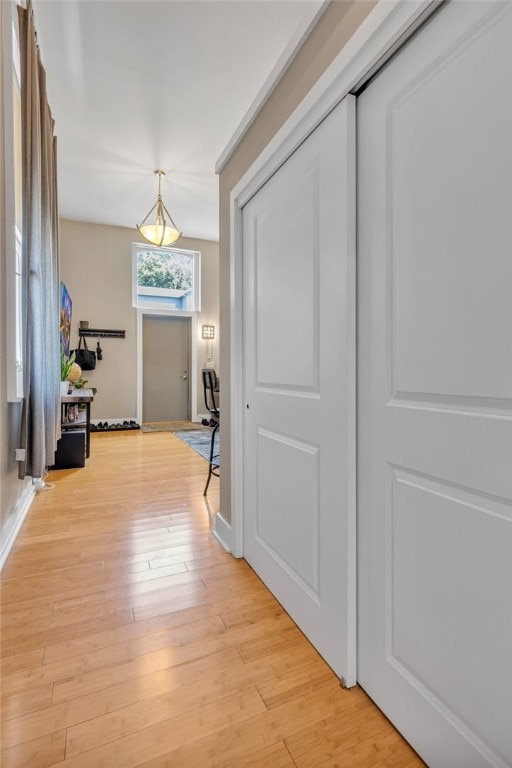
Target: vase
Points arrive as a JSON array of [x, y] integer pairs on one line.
[[64, 388]]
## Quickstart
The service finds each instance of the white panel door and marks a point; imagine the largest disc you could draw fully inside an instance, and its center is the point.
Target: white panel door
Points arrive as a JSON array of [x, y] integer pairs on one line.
[[299, 374], [165, 371], [435, 388]]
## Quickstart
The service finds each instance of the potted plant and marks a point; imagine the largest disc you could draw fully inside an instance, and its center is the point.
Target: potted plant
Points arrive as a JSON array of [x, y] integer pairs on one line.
[[80, 384], [66, 363]]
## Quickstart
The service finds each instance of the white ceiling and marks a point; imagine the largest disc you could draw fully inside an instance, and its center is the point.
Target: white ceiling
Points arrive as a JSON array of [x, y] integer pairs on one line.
[[136, 85]]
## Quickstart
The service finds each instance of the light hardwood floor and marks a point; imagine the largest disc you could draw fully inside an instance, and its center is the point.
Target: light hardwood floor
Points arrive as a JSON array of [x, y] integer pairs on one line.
[[130, 638]]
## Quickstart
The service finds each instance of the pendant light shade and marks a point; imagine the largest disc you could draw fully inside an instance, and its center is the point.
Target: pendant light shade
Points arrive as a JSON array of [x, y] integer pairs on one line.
[[161, 230]]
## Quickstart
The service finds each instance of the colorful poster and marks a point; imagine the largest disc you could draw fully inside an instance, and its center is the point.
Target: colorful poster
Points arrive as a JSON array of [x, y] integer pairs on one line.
[[65, 317]]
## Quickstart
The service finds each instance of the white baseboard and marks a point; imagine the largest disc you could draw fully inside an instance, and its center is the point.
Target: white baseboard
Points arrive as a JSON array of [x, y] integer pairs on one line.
[[19, 514], [222, 532]]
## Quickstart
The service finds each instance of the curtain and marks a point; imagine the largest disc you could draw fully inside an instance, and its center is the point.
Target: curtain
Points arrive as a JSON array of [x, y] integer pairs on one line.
[[40, 426]]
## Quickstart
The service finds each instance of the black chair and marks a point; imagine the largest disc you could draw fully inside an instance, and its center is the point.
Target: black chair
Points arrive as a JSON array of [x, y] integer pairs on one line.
[[210, 387]]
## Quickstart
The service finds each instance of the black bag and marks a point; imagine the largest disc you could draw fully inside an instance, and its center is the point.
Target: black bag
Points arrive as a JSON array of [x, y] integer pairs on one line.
[[85, 358]]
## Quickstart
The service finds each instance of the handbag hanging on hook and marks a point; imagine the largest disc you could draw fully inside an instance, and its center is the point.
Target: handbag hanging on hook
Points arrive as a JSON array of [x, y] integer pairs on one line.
[[85, 357], [99, 351]]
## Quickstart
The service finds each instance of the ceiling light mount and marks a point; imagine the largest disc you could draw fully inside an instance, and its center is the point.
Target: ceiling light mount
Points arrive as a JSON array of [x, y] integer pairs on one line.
[[163, 231]]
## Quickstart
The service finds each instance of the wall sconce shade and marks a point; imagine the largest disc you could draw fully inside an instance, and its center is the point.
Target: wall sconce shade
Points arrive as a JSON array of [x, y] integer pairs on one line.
[[208, 331], [163, 231]]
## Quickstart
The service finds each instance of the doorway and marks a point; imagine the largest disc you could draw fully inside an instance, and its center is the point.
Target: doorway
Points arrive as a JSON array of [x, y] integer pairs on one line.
[[166, 363]]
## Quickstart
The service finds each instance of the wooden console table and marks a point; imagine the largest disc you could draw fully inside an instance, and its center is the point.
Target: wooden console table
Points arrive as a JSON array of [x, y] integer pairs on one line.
[[77, 397]]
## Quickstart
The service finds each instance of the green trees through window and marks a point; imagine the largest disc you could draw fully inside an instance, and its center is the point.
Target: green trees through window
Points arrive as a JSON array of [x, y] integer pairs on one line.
[[161, 269], [166, 279]]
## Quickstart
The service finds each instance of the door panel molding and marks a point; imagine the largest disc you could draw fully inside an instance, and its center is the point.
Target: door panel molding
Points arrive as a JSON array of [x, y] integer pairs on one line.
[[302, 562]]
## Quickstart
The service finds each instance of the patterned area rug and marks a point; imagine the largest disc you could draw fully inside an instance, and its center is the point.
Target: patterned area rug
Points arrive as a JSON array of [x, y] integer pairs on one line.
[[200, 441], [170, 426]]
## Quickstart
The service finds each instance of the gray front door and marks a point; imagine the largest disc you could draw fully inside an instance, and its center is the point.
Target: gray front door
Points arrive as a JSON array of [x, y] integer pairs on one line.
[[165, 374]]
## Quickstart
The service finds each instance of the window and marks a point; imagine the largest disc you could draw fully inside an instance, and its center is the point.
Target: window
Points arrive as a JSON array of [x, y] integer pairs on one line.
[[13, 202], [167, 279]]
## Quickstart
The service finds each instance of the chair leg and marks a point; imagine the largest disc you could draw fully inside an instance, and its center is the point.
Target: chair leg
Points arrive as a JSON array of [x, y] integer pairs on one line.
[[210, 468]]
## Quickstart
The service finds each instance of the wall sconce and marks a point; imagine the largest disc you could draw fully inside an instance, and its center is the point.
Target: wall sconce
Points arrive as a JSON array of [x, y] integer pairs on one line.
[[208, 332]]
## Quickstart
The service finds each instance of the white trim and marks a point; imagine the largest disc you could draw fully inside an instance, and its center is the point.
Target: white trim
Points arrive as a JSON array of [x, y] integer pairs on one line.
[[386, 27], [138, 363], [141, 313], [193, 367], [270, 84], [351, 386], [19, 514], [222, 532], [236, 380]]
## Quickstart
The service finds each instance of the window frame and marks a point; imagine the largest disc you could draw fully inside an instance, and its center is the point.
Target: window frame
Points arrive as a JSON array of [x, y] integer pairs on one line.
[[13, 211]]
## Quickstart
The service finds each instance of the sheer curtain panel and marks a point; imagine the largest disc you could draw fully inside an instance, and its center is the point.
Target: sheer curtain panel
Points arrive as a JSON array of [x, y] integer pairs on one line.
[[41, 409]]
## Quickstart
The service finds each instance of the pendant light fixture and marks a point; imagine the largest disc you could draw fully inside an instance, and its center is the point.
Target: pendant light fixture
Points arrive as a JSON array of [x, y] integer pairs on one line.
[[163, 231]]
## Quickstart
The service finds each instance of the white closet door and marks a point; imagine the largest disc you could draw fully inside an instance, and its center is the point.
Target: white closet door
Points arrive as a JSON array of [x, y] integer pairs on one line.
[[299, 374], [435, 388]]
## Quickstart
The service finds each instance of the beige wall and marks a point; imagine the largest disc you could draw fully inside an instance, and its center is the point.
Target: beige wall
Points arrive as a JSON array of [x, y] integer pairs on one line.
[[326, 40], [11, 489], [96, 265]]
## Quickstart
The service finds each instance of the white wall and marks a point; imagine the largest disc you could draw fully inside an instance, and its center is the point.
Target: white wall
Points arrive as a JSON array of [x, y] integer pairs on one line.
[[96, 265]]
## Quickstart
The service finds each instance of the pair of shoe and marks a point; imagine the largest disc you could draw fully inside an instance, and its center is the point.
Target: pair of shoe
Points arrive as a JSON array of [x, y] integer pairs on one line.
[[104, 425]]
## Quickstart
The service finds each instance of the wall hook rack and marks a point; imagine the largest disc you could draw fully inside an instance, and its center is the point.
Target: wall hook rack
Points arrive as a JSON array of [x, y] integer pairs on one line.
[[102, 333]]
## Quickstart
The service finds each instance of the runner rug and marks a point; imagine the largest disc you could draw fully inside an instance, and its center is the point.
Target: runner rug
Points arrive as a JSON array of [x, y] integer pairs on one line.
[[200, 440]]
